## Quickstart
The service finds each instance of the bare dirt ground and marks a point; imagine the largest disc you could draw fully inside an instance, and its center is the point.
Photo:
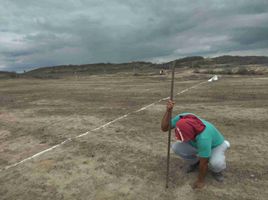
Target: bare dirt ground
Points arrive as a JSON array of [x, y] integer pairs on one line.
[[127, 159]]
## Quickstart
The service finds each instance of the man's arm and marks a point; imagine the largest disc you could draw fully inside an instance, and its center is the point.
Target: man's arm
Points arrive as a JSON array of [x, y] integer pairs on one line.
[[203, 168], [165, 121]]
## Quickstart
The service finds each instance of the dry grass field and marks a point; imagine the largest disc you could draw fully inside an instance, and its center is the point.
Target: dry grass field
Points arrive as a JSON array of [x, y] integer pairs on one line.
[[127, 159]]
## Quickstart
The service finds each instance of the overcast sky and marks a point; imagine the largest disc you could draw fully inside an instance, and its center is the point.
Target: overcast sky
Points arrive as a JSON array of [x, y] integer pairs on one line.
[[35, 33]]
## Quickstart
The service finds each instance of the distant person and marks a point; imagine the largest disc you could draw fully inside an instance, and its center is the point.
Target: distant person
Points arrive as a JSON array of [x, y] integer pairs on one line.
[[199, 143]]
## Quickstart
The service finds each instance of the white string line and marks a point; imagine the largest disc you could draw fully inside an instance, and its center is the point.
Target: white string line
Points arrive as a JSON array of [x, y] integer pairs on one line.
[[100, 127]]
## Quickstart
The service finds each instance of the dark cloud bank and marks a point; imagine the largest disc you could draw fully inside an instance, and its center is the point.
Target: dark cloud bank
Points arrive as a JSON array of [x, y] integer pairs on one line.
[[53, 32]]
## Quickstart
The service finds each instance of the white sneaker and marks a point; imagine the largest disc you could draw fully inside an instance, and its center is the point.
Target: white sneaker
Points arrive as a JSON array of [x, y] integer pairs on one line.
[[227, 143]]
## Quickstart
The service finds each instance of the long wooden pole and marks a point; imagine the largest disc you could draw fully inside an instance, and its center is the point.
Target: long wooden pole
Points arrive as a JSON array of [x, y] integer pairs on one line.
[[170, 117]]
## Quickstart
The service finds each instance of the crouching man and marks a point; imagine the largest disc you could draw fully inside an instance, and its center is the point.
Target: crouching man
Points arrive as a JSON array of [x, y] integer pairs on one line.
[[199, 143]]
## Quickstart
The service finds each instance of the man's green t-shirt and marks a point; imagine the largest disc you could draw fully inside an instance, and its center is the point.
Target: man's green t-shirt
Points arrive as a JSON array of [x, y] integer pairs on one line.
[[205, 141]]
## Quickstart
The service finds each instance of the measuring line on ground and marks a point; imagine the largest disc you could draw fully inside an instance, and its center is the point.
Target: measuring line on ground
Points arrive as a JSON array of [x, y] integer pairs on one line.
[[98, 128]]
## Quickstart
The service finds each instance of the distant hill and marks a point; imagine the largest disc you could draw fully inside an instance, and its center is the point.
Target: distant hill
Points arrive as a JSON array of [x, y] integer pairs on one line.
[[195, 62], [91, 69], [4, 74], [231, 60], [241, 60]]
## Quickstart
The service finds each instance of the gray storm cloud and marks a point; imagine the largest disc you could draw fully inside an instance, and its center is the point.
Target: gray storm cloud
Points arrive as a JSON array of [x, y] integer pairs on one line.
[[37, 33]]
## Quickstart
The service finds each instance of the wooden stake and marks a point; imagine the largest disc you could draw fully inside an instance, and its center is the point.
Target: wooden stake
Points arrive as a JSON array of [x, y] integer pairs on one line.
[[169, 130]]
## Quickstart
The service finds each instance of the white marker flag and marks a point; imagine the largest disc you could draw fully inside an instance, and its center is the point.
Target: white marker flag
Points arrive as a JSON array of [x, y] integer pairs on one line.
[[214, 78]]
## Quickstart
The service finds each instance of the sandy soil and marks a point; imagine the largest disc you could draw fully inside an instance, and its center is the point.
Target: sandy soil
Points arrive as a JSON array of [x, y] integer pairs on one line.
[[126, 160]]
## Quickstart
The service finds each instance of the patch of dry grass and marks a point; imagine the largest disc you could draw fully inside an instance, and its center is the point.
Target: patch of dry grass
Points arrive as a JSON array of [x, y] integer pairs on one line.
[[126, 160]]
